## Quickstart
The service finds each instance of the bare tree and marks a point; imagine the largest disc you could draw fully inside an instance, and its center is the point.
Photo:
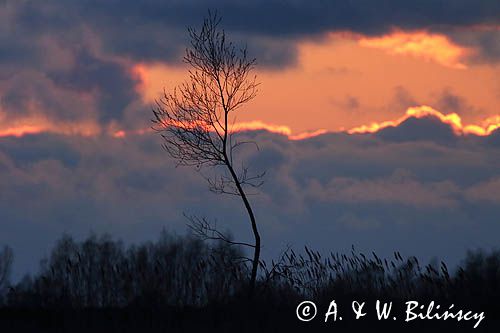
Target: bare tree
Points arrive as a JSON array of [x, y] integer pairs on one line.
[[196, 121], [6, 258]]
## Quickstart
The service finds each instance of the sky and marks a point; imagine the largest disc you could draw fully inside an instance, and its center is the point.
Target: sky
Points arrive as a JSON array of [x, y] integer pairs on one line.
[[377, 123]]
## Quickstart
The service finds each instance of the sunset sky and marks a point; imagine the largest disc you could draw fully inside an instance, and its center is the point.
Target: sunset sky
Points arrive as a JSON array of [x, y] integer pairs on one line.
[[377, 121]]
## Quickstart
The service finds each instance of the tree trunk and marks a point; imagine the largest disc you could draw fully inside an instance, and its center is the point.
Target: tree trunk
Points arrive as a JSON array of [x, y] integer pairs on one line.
[[256, 235]]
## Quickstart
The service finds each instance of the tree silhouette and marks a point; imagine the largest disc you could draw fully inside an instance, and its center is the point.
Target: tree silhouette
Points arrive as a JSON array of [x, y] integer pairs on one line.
[[6, 258], [197, 124]]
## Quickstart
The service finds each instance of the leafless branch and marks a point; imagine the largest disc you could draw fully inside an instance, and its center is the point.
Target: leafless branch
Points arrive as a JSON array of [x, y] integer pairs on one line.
[[205, 230], [194, 120]]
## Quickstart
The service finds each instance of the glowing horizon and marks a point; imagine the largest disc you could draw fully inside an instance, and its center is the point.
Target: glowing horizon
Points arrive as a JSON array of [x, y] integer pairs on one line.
[[342, 81], [345, 80], [484, 128]]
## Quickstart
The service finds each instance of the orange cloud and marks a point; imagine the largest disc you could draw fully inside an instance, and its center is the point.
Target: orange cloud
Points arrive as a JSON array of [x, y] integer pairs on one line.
[[452, 119], [119, 134], [20, 131], [307, 135], [433, 47], [35, 125], [309, 95], [152, 78], [259, 125], [279, 129], [485, 128], [255, 125]]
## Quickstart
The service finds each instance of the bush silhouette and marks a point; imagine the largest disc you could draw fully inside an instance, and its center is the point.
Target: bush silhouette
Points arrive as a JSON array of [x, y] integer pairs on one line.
[[181, 283]]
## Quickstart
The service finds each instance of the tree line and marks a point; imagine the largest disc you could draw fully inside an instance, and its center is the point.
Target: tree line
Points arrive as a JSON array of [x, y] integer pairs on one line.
[[101, 272], [181, 281]]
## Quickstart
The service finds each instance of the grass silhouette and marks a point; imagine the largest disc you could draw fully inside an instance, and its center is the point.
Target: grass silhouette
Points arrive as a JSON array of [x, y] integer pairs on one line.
[[184, 284]]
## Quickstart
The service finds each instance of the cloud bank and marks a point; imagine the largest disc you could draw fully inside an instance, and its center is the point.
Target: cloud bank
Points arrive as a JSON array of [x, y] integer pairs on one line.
[[378, 191], [74, 155], [69, 65]]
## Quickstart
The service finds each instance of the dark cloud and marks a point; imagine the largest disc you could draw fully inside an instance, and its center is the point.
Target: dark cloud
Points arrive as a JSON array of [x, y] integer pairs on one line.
[[341, 71], [494, 138], [489, 45], [150, 30], [69, 61], [28, 150], [352, 102], [72, 59], [31, 93], [445, 100], [451, 102], [52, 67], [283, 21], [402, 99], [418, 129], [272, 53], [110, 81], [483, 39], [330, 191], [448, 101], [348, 103]]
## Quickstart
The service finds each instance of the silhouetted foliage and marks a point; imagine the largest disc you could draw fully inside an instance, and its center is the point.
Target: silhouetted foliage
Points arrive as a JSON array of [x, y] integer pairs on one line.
[[100, 272], [183, 284], [6, 258]]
